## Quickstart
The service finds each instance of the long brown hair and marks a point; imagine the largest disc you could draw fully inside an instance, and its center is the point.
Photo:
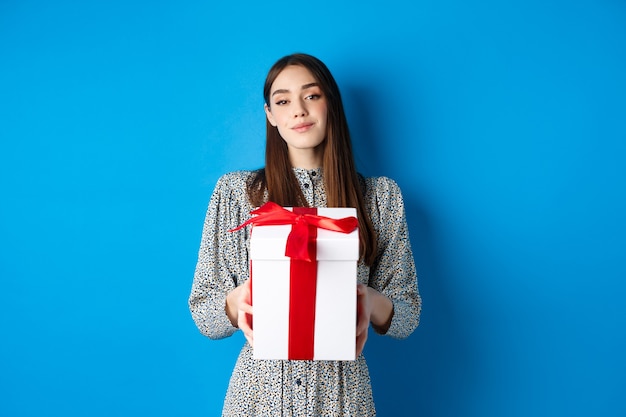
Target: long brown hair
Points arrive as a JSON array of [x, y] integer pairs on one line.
[[277, 181]]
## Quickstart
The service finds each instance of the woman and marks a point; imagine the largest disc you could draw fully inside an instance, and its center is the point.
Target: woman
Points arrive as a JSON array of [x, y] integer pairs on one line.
[[309, 162]]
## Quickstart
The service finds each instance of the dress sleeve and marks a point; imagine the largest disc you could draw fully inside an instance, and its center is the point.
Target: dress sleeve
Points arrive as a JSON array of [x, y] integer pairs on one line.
[[222, 258], [393, 273]]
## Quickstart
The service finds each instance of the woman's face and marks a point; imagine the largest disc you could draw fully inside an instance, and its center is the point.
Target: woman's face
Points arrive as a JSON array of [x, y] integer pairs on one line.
[[297, 108]]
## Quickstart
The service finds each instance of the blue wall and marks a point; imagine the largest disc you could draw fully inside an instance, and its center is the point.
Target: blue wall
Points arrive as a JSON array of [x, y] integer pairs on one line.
[[503, 122]]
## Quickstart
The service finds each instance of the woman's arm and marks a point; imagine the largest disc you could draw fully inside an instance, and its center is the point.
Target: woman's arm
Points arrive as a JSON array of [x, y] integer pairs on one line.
[[372, 307], [393, 274], [222, 259]]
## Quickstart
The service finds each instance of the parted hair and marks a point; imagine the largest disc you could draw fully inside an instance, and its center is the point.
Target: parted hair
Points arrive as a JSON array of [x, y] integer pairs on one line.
[[344, 187]]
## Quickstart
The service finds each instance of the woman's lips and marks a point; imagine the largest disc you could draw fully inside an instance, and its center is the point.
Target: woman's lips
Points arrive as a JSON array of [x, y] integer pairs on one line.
[[302, 127]]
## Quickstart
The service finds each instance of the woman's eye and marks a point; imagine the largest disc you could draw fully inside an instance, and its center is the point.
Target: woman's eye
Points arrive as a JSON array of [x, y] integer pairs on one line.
[[313, 97], [281, 102]]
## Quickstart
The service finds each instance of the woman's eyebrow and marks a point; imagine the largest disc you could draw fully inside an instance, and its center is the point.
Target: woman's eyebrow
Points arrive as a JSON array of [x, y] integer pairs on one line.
[[282, 91], [304, 87]]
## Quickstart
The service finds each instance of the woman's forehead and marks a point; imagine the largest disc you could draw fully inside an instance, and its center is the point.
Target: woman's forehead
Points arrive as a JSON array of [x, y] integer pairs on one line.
[[293, 77]]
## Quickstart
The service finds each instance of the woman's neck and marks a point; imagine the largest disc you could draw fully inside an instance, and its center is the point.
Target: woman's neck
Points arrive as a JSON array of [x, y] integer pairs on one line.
[[305, 158]]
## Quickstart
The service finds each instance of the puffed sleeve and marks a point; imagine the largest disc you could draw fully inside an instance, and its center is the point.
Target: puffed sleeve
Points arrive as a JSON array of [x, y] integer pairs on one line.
[[393, 273], [222, 258]]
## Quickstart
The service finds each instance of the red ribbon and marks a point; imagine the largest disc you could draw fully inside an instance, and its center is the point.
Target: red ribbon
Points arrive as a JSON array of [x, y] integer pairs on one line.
[[299, 240], [302, 249], [302, 294]]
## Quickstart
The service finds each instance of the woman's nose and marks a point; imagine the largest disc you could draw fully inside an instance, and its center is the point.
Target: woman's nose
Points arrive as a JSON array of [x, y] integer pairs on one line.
[[299, 110]]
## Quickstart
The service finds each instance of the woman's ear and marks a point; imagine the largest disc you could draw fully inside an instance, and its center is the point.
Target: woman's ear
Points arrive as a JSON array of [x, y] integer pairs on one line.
[[268, 113]]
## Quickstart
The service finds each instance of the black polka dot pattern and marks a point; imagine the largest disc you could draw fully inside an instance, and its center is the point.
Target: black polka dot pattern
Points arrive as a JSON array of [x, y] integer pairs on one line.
[[300, 388]]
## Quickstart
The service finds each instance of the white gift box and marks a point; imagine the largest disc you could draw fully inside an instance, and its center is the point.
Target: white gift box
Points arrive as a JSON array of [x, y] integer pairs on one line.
[[335, 300]]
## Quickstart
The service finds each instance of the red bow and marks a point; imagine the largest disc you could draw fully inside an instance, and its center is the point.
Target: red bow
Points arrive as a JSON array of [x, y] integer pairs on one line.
[[271, 214]]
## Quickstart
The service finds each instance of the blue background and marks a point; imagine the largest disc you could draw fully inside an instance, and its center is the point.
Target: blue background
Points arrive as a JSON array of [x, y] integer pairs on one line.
[[503, 122]]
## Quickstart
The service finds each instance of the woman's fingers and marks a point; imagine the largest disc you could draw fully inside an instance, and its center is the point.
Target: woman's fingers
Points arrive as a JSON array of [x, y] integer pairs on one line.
[[360, 342], [363, 312], [245, 324], [363, 309], [362, 321], [244, 315]]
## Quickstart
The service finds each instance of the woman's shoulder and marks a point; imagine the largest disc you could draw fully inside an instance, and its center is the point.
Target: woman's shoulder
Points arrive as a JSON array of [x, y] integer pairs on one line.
[[237, 176], [234, 181], [381, 185], [383, 199], [231, 188]]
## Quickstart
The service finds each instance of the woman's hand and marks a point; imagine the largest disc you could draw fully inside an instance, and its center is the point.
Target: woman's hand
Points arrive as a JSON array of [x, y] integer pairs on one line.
[[239, 309], [374, 307], [363, 314]]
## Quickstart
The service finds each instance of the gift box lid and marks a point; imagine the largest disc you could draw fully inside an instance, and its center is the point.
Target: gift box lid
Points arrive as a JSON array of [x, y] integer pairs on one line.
[[268, 242]]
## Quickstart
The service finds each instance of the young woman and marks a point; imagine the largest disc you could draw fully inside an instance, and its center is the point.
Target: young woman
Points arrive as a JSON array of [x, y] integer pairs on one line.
[[308, 162]]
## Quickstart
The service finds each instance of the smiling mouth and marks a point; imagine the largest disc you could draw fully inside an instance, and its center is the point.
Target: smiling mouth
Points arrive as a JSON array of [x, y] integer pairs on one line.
[[302, 127]]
